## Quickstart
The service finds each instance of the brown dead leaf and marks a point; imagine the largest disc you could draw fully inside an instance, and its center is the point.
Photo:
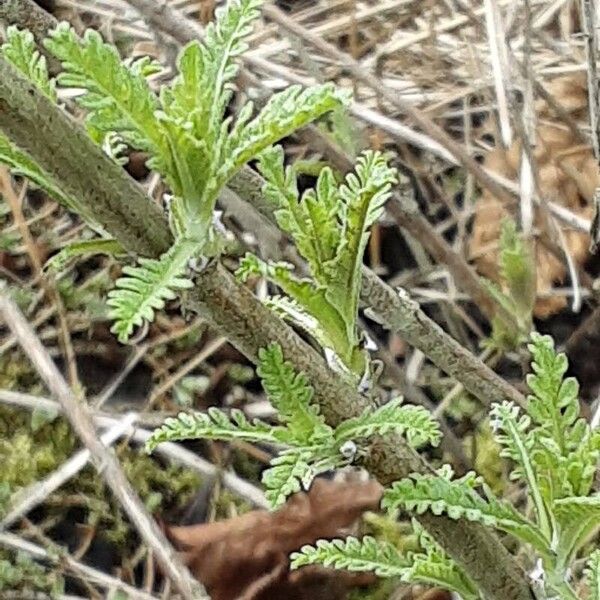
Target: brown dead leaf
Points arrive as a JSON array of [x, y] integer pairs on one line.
[[247, 556], [567, 175]]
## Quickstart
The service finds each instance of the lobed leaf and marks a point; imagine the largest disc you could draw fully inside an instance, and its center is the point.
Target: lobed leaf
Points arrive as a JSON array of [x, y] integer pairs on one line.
[[312, 223], [457, 499], [20, 50], [286, 476], [284, 113], [215, 424], [592, 575], [291, 394], [518, 445], [117, 97], [363, 195], [578, 519], [367, 554], [145, 289], [414, 422]]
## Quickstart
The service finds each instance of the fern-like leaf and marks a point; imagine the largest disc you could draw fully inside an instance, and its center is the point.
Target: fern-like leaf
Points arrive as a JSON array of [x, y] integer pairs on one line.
[[592, 575], [518, 444], [20, 50], [434, 567], [291, 394], [312, 298], [313, 222], [146, 288], [363, 195], [517, 270], [215, 424], [283, 114], [414, 422], [205, 88], [116, 97], [566, 450], [578, 519], [553, 405], [366, 555], [289, 473], [421, 493]]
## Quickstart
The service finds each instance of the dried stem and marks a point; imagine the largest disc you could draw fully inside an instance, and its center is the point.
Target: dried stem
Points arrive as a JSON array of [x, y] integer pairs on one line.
[[10, 540], [174, 453], [105, 462]]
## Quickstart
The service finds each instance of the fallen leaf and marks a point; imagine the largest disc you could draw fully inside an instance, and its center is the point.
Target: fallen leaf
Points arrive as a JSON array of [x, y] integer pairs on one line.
[[247, 556]]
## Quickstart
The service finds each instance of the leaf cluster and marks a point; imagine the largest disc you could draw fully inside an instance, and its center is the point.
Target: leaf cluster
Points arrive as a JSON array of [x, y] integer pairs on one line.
[[430, 566], [330, 226], [554, 453], [310, 446], [184, 129]]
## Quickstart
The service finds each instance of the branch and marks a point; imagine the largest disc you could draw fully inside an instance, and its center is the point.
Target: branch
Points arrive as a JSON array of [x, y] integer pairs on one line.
[[105, 461], [26, 14], [247, 323]]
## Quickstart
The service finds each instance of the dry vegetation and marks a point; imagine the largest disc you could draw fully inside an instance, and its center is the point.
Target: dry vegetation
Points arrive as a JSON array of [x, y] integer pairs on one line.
[[446, 59]]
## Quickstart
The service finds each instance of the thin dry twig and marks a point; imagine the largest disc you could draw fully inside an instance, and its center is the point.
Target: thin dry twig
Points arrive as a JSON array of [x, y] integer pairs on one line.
[[33, 495], [14, 202], [10, 540], [172, 452], [79, 416]]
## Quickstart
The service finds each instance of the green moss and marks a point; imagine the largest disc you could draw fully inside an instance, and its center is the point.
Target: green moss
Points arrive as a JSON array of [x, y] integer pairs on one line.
[[19, 572]]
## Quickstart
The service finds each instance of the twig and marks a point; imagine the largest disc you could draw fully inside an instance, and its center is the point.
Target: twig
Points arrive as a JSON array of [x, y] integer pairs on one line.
[[14, 202], [10, 540], [589, 24], [79, 416], [499, 60], [527, 178], [30, 496], [172, 452]]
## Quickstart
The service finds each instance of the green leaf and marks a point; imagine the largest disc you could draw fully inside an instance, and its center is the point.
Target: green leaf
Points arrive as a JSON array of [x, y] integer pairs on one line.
[[285, 476], [312, 223], [566, 450], [215, 424], [145, 289], [81, 248], [363, 196], [434, 567], [578, 519], [517, 268], [204, 89], [518, 445], [20, 50], [331, 333], [291, 394], [414, 422], [458, 499], [592, 575], [365, 555], [553, 405], [117, 97], [283, 114]]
